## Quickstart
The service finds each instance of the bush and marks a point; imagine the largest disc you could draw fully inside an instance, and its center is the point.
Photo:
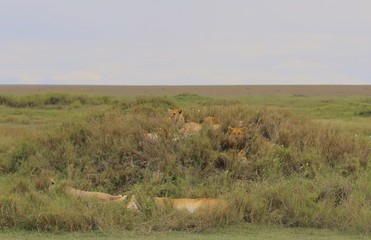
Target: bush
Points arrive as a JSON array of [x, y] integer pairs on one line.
[[20, 155], [294, 172], [52, 100]]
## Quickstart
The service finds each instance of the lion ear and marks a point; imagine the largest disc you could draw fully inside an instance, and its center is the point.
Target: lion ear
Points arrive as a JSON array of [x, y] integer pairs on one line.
[[230, 128], [244, 129], [169, 110], [180, 111]]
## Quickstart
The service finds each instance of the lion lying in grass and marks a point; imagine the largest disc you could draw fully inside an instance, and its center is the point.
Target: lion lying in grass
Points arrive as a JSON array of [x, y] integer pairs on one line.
[[87, 195], [191, 205], [99, 196], [190, 128], [213, 122]]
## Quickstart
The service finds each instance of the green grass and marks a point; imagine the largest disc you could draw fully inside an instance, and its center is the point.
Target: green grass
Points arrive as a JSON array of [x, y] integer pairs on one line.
[[242, 231], [316, 175], [36, 109]]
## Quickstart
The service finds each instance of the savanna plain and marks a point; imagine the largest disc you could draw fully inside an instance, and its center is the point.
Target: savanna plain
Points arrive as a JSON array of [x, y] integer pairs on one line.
[[304, 172]]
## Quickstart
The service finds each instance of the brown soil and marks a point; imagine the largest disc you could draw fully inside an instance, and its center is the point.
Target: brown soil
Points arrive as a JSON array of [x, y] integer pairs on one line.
[[301, 90]]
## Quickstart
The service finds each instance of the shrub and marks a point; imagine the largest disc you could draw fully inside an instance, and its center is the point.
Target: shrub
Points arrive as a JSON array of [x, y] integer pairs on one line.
[[20, 155], [294, 172]]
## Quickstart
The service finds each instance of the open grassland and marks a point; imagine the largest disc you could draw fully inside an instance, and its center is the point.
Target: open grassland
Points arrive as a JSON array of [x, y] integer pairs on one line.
[[218, 91], [307, 162], [237, 232]]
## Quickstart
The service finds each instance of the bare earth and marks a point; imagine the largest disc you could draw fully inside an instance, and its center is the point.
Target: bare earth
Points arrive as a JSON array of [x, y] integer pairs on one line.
[[304, 90]]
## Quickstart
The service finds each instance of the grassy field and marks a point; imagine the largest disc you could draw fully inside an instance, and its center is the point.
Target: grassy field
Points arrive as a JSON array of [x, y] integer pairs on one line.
[[349, 112], [314, 172], [243, 231]]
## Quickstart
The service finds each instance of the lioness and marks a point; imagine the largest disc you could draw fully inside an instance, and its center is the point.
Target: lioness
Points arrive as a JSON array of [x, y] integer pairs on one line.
[[155, 136], [132, 204], [99, 196], [187, 129], [151, 137], [191, 205], [176, 116], [190, 128], [236, 136], [241, 156], [213, 121]]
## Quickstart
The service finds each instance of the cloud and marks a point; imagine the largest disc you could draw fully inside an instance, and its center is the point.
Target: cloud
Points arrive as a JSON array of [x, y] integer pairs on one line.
[[287, 58]]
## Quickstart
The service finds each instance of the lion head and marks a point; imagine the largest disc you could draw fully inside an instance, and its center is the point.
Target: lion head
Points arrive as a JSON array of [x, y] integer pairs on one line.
[[176, 116], [236, 136]]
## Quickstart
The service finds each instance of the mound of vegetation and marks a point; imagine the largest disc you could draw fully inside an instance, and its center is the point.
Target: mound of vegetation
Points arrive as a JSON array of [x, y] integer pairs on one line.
[[52, 100], [294, 172], [365, 113]]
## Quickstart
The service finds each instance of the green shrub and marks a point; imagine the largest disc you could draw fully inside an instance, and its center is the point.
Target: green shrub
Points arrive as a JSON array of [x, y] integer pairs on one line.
[[51, 100], [295, 172], [20, 155]]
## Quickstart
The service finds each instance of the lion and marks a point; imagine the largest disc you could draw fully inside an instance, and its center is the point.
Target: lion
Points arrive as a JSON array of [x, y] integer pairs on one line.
[[195, 205], [236, 136], [176, 116], [99, 196], [212, 121], [87, 195], [187, 129], [132, 204], [192, 205], [241, 156], [191, 128], [155, 136]]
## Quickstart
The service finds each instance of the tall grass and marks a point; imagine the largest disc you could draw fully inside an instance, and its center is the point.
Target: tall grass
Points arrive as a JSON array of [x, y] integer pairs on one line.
[[51, 100], [296, 172]]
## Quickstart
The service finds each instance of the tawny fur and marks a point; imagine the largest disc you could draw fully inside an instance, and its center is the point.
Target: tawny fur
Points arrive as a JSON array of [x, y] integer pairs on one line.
[[187, 129], [235, 135], [176, 116], [132, 204], [190, 128], [213, 121], [241, 156], [151, 137], [99, 196], [195, 205]]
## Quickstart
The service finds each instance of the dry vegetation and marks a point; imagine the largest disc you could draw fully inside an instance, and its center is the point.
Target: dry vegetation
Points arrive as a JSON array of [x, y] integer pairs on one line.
[[296, 172]]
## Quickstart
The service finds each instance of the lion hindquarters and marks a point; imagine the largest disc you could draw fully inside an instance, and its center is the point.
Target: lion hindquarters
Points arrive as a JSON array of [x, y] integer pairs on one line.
[[190, 128], [212, 205], [196, 205], [213, 122]]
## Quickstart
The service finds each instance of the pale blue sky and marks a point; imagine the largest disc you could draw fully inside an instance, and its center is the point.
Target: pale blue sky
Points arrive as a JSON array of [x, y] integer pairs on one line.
[[172, 42]]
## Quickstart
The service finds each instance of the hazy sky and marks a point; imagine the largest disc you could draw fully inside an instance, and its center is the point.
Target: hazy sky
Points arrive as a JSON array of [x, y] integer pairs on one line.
[[171, 42]]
